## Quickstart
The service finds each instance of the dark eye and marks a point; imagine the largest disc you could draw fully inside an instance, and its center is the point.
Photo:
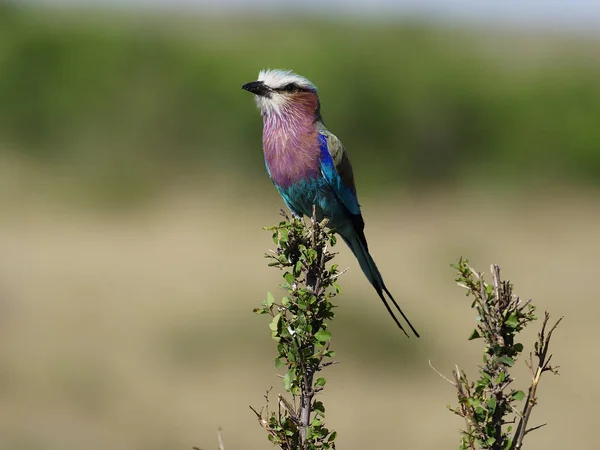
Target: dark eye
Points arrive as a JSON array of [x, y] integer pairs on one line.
[[292, 87]]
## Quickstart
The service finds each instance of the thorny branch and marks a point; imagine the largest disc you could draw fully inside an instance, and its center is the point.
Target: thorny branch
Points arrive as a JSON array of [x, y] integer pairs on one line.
[[489, 404], [299, 325]]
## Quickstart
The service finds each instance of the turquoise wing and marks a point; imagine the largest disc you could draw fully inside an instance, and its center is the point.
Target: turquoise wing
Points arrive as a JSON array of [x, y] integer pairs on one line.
[[337, 170]]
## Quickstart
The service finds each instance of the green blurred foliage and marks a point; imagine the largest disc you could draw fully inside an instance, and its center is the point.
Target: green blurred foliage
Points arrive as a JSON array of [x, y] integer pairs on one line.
[[130, 104]]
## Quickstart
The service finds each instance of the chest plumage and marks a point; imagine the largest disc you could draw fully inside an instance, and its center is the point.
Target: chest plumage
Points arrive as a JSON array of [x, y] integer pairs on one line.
[[291, 144]]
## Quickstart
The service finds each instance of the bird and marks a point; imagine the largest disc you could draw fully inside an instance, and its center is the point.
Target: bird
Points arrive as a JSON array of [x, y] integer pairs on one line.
[[309, 166]]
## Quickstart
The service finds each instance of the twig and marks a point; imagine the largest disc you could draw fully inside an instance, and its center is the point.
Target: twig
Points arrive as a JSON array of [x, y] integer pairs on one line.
[[543, 365], [221, 446], [441, 375]]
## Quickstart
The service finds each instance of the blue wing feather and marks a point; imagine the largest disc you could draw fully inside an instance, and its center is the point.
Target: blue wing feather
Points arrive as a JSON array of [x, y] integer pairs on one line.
[[344, 193]]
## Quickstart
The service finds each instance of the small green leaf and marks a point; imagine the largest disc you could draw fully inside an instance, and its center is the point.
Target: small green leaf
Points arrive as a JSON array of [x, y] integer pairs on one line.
[[288, 277], [283, 235], [322, 335], [518, 395], [507, 360], [473, 402], [320, 382], [309, 433], [518, 347], [293, 355], [275, 322], [287, 380], [491, 404], [318, 407], [474, 335], [512, 320], [285, 301], [270, 299], [332, 436], [302, 304], [298, 269], [278, 363]]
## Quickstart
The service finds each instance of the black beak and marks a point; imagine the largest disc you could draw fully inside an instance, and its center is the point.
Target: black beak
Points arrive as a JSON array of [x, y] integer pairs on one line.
[[258, 88]]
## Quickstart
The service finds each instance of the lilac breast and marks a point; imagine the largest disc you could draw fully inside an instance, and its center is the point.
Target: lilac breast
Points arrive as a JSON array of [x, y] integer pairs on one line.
[[291, 148]]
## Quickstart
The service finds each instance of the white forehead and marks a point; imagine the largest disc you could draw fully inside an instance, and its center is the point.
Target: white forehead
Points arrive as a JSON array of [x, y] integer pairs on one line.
[[278, 78]]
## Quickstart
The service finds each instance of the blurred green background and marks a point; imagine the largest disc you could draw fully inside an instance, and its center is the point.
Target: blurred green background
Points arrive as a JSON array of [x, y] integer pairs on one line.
[[133, 195]]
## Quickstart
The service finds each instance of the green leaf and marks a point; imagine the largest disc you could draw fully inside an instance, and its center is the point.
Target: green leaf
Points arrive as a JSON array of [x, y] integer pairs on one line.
[[320, 382], [491, 404], [275, 322], [512, 321], [332, 436], [303, 302], [322, 335], [298, 269], [293, 354], [285, 301], [474, 402], [283, 235], [518, 395], [309, 433], [288, 277], [518, 347], [278, 363], [507, 360], [270, 299], [474, 335], [287, 380], [318, 407]]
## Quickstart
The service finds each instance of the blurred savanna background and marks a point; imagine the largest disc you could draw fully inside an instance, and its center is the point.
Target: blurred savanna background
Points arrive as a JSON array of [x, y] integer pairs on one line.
[[133, 195]]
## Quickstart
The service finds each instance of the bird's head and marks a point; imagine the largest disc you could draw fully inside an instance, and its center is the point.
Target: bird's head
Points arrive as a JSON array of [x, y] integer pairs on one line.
[[280, 91]]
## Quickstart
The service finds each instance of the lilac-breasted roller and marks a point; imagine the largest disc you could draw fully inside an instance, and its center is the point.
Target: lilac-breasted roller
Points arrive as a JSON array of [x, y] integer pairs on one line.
[[310, 166]]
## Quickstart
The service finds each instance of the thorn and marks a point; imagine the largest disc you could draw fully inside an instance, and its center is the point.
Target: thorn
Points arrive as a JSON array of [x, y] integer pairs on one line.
[[441, 375]]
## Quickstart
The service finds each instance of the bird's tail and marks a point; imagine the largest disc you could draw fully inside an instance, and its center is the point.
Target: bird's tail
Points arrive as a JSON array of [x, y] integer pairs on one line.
[[358, 244]]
